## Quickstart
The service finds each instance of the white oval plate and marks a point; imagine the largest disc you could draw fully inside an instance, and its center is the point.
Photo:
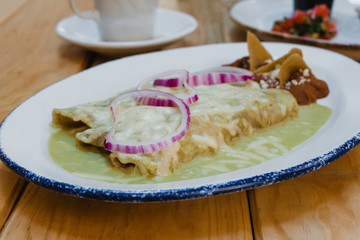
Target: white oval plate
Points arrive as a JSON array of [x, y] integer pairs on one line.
[[170, 26], [25, 132], [267, 12]]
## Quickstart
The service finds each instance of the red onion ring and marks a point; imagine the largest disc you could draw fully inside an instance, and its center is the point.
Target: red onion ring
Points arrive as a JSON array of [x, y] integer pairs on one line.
[[181, 81], [114, 145], [219, 75]]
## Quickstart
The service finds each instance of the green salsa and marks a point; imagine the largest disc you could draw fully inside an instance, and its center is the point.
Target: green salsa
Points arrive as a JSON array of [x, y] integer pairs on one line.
[[95, 164]]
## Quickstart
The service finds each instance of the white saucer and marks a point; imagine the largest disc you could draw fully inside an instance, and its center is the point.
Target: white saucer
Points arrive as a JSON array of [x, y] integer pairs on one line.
[[170, 26]]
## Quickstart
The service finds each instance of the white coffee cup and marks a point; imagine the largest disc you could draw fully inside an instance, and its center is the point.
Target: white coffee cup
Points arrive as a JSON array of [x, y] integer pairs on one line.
[[122, 20]]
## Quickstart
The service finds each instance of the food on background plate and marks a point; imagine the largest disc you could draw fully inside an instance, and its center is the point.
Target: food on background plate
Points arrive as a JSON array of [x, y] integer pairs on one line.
[[289, 72], [313, 23]]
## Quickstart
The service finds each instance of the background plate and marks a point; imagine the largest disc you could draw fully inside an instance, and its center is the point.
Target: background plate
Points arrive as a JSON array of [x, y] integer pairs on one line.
[[25, 131], [267, 12]]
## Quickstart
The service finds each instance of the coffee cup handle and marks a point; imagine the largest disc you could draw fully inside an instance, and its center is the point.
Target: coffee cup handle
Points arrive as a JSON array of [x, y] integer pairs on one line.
[[86, 15]]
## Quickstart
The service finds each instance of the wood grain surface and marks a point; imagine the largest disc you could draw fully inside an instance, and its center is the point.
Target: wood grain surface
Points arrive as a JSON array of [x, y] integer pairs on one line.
[[42, 214], [32, 57], [324, 204], [320, 205], [9, 8]]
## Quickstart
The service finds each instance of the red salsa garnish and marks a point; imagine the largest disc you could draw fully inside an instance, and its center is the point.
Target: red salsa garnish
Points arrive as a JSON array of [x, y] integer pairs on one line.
[[313, 23]]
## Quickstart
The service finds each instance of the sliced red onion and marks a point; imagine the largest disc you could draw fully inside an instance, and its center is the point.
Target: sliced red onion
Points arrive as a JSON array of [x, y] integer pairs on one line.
[[180, 74], [147, 96], [171, 82], [217, 78], [220, 75], [210, 76], [180, 81]]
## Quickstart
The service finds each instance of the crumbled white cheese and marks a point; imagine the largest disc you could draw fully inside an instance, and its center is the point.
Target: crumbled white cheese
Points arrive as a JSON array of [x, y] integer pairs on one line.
[[268, 61], [306, 72], [288, 85], [263, 84], [294, 82], [275, 73]]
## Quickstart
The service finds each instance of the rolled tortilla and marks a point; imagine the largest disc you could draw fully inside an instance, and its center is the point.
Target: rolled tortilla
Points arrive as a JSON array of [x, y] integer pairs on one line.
[[223, 115]]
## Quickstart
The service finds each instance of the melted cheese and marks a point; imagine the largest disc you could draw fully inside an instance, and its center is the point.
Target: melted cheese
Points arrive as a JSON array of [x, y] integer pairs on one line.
[[223, 113]]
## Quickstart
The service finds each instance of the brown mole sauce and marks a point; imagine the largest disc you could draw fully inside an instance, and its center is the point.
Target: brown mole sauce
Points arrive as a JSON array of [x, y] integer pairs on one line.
[[304, 86], [310, 90]]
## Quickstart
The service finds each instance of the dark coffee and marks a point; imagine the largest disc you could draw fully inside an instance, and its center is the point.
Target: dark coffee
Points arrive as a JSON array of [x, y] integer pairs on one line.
[[308, 4]]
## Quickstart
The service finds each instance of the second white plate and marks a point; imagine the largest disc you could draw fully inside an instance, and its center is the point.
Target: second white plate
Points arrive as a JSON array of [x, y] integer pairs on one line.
[[267, 12]]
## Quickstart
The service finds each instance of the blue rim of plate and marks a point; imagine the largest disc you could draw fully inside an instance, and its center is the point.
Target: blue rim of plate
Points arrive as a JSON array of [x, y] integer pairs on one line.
[[182, 193]]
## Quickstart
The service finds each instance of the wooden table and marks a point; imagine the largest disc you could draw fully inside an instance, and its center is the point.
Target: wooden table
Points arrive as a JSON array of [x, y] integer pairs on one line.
[[322, 205]]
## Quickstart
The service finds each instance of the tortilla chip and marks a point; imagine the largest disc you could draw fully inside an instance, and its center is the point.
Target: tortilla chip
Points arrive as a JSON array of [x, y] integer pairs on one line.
[[271, 66], [257, 53], [292, 64]]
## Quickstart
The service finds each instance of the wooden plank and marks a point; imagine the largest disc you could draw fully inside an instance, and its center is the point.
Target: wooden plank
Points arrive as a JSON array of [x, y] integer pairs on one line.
[[9, 8], [320, 205], [32, 57], [215, 25], [42, 214], [10, 187], [209, 15], [234, 33]]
